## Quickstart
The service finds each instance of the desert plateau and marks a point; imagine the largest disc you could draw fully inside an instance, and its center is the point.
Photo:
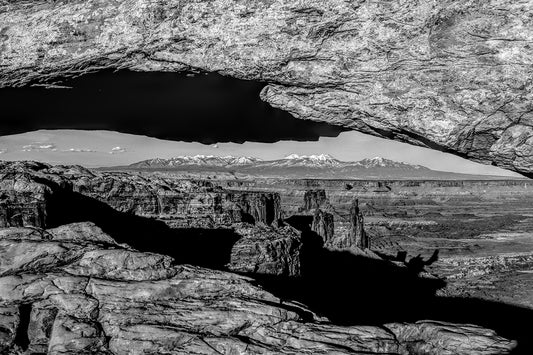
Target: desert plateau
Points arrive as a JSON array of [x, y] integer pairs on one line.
[[208, 177], [109, 261]]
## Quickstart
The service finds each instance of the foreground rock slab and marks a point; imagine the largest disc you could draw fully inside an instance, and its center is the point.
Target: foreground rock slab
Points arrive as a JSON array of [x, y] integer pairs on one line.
[[73, 290], [449, 76]]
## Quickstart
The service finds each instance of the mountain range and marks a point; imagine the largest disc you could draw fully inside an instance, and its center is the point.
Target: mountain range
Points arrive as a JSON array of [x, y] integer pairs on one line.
[[321, 166]]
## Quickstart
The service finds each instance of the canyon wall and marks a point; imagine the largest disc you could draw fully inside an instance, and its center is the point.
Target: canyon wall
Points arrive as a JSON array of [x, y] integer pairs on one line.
[[193, 212], [28, 189], [120, 278]]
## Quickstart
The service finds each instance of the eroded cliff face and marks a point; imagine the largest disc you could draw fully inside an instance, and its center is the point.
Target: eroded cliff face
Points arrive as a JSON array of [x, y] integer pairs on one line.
[[31, 192], [450, 75], [191, 220], [122, 285]]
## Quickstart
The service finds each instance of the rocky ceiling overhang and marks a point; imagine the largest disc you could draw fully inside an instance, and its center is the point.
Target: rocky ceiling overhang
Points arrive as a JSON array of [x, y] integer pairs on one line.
[[450, 75]]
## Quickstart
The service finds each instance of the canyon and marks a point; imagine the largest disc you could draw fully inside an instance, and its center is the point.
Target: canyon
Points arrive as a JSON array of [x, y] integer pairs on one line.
[[126, 263], [481, 225], [133, 262]]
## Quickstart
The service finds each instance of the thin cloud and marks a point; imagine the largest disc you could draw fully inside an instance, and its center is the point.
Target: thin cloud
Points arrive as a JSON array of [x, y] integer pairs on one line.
[[80, 150], [39, 147], [3, 151], [117, 150]]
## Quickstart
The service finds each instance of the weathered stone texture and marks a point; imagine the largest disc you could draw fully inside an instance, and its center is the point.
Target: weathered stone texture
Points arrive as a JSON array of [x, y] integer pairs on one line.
[[313, 199], [145, 304], [451, 75], [266, 250], [357, 236], [28, 188], [323, 225]]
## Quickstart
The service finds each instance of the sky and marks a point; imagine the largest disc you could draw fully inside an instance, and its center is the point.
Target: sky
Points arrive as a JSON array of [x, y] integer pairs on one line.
[[107, 148]]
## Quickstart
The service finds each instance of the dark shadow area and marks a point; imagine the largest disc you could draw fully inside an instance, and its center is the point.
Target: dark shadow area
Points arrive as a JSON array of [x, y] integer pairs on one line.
[[197, 246], [348, 288], [301, 222], [415, 264], [418, 264], [201, 108], [21, 337], [248, 218], [352, 289]]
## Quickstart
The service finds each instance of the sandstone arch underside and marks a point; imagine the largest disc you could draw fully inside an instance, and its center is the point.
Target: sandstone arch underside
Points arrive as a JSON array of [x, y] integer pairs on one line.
[[450, 75]]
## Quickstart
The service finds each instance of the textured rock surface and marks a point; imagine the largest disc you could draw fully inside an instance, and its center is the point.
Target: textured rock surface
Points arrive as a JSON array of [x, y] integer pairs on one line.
[[266, 250], [356, 235], [489, 277], [91, 295], [452, 75], [323, 225], [27, 189], [39, 195], [313, 199]]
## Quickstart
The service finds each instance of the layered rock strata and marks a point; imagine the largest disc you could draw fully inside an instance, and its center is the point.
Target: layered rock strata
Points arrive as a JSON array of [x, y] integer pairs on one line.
[[28, 190], [358, 236], [74, 290], [314, 199], [323, 225], [266, 250], [40, 195]]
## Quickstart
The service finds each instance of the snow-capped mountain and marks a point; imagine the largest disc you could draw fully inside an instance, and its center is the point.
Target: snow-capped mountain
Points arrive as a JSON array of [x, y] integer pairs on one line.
[[196, 160], [379, 162], [322, 166], [292, 160], [322, 160]]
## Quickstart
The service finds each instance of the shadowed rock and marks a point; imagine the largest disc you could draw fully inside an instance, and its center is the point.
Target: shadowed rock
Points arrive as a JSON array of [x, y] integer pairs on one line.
[[83, 289], [198, 223], [141, 303]]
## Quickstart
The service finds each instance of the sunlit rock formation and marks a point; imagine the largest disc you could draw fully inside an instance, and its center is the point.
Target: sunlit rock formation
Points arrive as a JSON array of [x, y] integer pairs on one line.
[[358, 236], [449, 76], [186, 211], [31, 192], [355, 236], [266, 250], [314, 199], [323, 225], [75, 290]]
